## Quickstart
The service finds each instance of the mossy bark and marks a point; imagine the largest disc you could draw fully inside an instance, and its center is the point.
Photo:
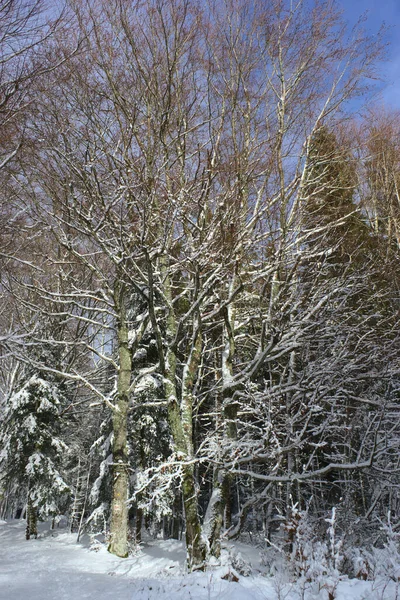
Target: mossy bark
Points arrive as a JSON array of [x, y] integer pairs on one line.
[[180, 420], [194, 543]]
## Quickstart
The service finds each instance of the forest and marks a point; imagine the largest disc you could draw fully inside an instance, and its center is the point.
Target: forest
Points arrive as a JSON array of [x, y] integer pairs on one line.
[[199, 276]]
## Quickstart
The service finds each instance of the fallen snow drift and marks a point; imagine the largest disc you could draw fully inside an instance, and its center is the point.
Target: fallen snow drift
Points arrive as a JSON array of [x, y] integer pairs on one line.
[[55, 567]]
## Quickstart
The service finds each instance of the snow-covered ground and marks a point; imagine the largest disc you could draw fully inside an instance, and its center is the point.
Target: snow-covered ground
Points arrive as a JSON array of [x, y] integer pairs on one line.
[[55, 567]]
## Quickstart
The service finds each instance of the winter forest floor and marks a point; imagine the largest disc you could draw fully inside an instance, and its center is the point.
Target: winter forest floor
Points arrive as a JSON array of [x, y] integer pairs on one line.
[[56, 567]]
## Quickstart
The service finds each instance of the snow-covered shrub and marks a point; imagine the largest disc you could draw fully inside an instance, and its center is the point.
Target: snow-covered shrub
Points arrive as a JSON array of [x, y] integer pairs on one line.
[[313, 563], [356, 563], [273, 560], [383, 564], [241, 565]]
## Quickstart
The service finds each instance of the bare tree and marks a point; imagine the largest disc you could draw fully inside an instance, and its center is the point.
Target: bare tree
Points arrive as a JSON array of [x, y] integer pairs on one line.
[[171, 170]]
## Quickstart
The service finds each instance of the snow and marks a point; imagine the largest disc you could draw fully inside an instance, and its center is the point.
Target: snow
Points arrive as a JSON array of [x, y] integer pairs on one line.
[[55, 566], [210, 512], [146, 383], [34, 462], [30, 424], [23, 396]]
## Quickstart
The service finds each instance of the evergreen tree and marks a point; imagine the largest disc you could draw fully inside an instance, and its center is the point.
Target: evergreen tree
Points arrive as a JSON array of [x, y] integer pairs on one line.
[[329, 211], [32, 451]]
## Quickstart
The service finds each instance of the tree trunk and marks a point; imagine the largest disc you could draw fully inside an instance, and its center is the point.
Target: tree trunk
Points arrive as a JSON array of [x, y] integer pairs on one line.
[[31, 520], [180, 412], [194, 543], [138, 524], [213, 520], [119, 507], [219, 510], [196, 548]]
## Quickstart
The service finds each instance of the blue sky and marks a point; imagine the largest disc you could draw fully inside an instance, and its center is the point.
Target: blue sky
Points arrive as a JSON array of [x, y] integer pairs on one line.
[[378, 12]]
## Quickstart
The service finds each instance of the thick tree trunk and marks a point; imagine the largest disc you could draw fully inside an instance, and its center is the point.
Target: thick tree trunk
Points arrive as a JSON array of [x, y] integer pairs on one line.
[[119, 506], [180, 419], [180, 409], [195, 545]]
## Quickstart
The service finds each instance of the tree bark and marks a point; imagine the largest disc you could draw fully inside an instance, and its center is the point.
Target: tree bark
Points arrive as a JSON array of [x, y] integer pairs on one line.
[[31, 520], [119, 506], [194, 542], [219, 509]]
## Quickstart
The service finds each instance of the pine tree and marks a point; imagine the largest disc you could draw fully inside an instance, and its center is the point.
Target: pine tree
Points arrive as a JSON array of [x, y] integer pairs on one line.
[[32, 451], [329, 212]]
